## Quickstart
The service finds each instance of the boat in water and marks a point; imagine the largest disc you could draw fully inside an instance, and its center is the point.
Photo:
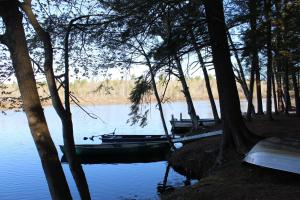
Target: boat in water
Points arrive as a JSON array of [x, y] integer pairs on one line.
[[121, 149], [276, 153], [147, 149]]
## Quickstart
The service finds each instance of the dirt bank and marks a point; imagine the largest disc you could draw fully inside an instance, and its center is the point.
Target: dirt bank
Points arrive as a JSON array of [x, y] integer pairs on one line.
[[235, 180]]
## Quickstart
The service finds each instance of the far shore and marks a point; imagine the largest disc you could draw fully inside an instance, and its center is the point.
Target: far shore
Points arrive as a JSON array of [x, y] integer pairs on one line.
[[112, 92]]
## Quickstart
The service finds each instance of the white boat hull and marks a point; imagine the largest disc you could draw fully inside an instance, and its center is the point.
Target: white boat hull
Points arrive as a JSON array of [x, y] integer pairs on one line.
[[276, 153]]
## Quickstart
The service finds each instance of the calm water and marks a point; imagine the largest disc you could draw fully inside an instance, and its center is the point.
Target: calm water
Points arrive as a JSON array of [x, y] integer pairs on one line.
[[21, 175]]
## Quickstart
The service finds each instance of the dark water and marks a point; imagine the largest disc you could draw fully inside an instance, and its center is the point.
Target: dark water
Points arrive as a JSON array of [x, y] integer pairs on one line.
[[21, 175]]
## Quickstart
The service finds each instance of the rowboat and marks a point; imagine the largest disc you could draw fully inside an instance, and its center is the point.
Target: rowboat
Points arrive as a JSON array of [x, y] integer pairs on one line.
[[108, 138], [276, 153], [131, 152], [121, 149]]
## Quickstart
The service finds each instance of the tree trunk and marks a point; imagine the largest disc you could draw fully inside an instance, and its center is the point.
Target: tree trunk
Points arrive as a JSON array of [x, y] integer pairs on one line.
[[281, 47], [248, 93], [68, 133], [206, 78], [243, 79], [254, 52], [269, 59], [278, 56], [274, 94], [156, 94], [74, 164], [250, 108], [296, 92], [254, 58], [210, 94], [186, 92], [286, 88], [258, 91], [159, 104], [235, 130], [16, 42], [281, 106]]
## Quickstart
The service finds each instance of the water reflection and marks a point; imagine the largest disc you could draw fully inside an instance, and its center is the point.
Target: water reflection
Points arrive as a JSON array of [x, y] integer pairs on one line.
[[162, 186], [80, 179], [22, 175], [166, 186], [118, 159]]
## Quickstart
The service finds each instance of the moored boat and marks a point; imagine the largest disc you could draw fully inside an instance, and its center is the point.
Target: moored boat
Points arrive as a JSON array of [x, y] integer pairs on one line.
[[121, 149]]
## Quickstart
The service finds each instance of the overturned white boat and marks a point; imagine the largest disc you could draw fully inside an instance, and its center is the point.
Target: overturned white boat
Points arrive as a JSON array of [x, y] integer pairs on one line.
[[276, 153]]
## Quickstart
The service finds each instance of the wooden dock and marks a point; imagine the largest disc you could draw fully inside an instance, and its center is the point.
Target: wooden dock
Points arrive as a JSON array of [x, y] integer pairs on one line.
[[182, 126], [197, 136]]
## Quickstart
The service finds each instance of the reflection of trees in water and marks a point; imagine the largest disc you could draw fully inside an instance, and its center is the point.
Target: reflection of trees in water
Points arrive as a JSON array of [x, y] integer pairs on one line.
[[80, 179], [164, 187]]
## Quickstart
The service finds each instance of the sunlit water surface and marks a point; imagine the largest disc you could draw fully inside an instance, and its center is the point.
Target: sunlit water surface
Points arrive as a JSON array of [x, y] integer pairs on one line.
[[21, 175]]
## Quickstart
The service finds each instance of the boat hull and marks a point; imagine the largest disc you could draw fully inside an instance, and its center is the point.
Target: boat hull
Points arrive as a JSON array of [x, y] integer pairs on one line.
[[276, 153], [121, 149]]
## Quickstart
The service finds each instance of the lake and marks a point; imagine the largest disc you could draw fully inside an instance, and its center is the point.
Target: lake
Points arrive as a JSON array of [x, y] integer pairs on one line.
[[21, 174]]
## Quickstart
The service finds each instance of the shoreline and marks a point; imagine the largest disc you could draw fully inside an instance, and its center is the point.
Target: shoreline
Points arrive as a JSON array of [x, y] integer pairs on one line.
[[109, 103], [113, 92], [233, 179]]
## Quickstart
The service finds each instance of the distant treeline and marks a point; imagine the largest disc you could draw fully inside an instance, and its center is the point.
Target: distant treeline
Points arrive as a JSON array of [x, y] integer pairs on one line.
[[118, 91]]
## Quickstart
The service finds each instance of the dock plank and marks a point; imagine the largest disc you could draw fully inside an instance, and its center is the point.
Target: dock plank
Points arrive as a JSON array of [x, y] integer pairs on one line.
[[198, 136]]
